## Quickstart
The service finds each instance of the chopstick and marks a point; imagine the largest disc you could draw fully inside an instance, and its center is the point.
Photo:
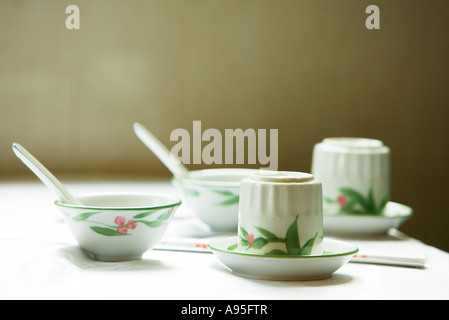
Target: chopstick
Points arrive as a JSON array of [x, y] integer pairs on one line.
[[200, 245], [183, 245], [411, 262]]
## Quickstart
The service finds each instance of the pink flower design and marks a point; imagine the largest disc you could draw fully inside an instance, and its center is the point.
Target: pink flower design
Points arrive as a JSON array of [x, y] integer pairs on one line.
[[120, 220], [341, 199], [132, 224], [122, 230], [250, 239], [123, 226]]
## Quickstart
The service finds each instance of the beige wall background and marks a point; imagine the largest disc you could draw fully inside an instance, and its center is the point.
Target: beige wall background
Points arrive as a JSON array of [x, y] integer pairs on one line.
[[308, 68]]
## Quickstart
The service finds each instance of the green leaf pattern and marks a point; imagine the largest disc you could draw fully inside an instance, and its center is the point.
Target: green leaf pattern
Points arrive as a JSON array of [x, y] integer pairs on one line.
[[229, 198], [291, 240], [353, 201], [122, 228]]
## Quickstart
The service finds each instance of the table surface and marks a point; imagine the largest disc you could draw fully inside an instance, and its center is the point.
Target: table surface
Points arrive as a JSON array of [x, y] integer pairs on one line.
[[41, 260]]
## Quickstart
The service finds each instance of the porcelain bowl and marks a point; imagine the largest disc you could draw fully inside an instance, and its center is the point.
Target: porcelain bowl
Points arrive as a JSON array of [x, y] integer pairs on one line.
[[119, 227], [213, 195]]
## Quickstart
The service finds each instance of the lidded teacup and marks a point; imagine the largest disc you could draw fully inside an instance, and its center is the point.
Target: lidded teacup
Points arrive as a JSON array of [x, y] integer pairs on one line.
[[355, 173], [280, 213]]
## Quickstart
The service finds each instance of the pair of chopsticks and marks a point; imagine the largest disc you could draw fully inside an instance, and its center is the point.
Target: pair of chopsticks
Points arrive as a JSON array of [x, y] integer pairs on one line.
[[199, 245]]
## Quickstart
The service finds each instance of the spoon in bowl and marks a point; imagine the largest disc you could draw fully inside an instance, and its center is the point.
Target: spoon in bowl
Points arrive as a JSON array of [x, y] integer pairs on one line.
[[176, 167], [44, 175]]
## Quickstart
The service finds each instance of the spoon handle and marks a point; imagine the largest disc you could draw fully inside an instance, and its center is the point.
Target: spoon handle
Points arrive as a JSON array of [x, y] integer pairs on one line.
[[43, 174], [176, 167]]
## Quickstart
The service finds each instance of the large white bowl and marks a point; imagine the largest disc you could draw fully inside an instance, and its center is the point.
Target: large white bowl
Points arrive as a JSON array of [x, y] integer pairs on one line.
[[118, 227], [213, 195]]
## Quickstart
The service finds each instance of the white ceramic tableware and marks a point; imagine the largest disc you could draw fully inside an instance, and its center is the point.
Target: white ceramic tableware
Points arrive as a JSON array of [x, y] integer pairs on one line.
[[118, 227], [355, 173], [335, 255], [393, 216], [213, 195], [280, 212], [44, 174]]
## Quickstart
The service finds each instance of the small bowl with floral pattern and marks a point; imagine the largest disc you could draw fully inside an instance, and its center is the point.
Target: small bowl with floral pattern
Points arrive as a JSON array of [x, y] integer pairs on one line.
[[119, 227], [213, 195]]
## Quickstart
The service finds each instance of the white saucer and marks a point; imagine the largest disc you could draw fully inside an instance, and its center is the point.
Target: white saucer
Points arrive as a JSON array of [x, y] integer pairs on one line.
[[394, 215], [337, 254]]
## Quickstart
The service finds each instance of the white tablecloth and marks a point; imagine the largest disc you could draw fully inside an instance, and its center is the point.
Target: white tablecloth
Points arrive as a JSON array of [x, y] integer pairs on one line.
[[41, 260]]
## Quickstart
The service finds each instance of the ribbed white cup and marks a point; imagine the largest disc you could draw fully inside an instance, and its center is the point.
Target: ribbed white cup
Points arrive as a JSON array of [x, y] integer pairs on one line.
[[355, 173], [280, 213]]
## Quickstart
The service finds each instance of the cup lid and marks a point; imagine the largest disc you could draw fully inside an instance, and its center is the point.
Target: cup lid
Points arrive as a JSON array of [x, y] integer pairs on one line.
[[350, 142], [281, 176], [353, 145]]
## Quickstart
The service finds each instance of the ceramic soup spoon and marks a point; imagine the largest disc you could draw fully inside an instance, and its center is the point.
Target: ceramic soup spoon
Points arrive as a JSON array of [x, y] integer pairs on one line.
[[44, 175], [178, 169]]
